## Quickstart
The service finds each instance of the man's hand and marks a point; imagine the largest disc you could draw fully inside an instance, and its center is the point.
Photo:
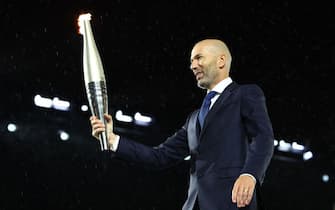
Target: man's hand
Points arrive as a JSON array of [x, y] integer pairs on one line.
[[243, 190], [98, 127]]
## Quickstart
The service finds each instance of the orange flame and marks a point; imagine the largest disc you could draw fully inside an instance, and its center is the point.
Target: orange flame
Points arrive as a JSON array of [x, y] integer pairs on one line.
[[81, 19]]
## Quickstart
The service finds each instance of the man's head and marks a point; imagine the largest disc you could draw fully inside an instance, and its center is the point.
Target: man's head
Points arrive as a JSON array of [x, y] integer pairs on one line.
[[210, 62]]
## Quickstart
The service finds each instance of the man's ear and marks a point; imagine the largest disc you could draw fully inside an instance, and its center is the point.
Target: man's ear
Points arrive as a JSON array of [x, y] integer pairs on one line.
[[221, 61]]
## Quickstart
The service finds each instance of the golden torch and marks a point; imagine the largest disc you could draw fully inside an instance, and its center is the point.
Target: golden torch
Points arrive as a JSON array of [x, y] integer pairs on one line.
[[94, 76]]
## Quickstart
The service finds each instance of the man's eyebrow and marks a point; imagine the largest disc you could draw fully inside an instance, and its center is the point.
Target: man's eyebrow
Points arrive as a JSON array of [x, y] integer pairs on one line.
[[195, 56]]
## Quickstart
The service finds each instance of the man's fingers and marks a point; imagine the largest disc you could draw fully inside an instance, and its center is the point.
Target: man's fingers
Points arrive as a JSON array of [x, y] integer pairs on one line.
[[97, 126], [107, 117], [97, 131], [248, 199], [96, 121], [234, 193], [239, 198]]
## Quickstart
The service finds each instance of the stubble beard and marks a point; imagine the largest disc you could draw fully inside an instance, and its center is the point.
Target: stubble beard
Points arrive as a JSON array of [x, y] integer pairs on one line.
[[203, 84]]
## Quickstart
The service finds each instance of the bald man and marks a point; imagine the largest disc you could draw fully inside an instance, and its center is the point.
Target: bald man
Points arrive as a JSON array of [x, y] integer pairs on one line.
[[229, 139]]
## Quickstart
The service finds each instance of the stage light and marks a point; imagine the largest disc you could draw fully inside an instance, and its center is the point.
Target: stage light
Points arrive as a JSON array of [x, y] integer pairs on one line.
[[60, 104], [307, 155], [55, 103], [284, 146], [42, 102], [11, 127], [325, 178], [84, 108], [141, 119], [275, 142], [123, 118], [296, 146], [64, 136]]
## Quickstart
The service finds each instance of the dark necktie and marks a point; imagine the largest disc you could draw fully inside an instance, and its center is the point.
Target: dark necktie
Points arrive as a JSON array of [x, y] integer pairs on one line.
[[205, 107]]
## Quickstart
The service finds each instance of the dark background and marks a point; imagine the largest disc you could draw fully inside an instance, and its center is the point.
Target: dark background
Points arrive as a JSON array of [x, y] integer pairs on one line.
[[287, 48]]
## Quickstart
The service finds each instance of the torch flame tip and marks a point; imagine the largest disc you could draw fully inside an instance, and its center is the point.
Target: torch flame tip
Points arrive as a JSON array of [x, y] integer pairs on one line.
[[81, 19], [85, 16]]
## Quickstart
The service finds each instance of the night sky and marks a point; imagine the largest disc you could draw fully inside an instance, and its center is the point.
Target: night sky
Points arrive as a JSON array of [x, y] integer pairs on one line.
[[287, 48]]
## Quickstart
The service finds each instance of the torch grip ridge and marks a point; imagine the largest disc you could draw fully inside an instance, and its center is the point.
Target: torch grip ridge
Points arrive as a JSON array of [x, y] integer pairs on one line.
[[98, 102]]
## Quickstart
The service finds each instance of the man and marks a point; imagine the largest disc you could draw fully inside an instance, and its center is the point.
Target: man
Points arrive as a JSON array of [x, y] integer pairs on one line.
[[230, 147]]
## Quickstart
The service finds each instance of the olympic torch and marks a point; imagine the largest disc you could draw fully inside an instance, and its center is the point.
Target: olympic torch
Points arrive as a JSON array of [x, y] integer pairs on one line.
[[94, 76]]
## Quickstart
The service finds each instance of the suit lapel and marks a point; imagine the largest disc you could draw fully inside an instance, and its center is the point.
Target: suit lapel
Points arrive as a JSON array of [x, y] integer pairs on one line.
[[193, 131], [221, 101]]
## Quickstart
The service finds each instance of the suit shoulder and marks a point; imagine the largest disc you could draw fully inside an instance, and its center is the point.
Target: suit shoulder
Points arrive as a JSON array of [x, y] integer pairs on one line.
[[247, 88], [251, 91]]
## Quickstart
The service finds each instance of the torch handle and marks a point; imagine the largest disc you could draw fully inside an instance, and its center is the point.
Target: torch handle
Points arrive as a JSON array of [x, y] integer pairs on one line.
[[98, 100]]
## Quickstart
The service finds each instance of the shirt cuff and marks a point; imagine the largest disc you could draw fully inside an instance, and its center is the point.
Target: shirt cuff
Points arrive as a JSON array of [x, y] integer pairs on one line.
[[115, 144], [246, 174]]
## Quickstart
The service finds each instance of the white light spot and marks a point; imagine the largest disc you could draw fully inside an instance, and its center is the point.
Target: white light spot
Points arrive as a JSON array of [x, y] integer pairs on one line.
[[307, 155], [123, 118], [284, 146], [187, 157], [325, 178], [60, 104], [141, 119], [84, 108], [11, 127], [297, 146], [42, 102], [64, 136], [275, 142]]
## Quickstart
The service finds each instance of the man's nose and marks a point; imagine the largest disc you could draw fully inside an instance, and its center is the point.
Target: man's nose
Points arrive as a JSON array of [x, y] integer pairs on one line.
[[194, 65]]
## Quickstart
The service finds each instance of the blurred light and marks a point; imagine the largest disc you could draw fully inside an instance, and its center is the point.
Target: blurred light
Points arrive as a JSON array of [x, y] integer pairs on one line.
[[60, 104], [187, 157], [297, 146], [307, 155], [284, 146], [123, 118], [84, 108], [42, 102], [325, 178], [64, 136], [275, 142], [11, 127], [141, 119], [55, 103]]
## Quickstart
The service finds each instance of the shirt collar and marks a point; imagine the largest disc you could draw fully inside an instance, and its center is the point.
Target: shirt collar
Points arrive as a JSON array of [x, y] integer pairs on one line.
[[221, 86]]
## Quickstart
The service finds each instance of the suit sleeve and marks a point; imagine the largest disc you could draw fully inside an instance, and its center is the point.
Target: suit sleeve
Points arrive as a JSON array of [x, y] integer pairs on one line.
[[259, 131], [170, 152]]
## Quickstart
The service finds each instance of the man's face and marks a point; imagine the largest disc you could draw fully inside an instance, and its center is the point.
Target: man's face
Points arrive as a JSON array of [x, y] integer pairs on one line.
[[204, 64]]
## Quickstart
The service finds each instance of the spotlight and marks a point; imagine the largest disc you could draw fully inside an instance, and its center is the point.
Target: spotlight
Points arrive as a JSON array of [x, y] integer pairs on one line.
[[275, 142], [64, 136], [307, 155], [296, 146], [42, 102], [60, 104], [141, 119], [55, 103], [123, 118], [84, 108], [11, 127], [325, 178], [284, 146]]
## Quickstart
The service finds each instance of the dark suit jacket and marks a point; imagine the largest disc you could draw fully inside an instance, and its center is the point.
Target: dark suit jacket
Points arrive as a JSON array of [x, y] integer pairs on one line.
[[237, 138]]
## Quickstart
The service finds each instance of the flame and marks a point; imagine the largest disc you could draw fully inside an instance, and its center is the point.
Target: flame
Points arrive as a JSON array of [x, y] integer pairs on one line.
[[81, 20]]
